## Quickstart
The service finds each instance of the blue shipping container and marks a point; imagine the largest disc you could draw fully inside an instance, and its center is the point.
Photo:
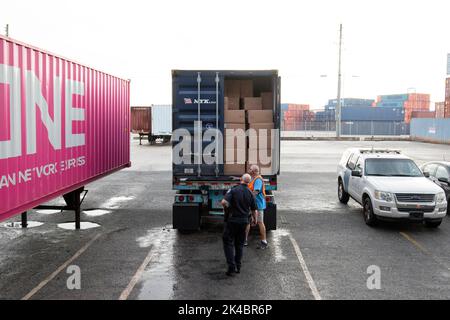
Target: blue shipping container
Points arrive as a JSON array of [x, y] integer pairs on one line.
[[372, 114], [374, 128], [390, 97], [435, 130]]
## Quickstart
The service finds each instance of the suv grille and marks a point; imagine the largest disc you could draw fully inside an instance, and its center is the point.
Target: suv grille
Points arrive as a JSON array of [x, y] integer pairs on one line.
[[410, 197]]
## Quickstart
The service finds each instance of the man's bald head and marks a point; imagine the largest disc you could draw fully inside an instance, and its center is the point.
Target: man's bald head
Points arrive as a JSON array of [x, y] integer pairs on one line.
[[246, 178]]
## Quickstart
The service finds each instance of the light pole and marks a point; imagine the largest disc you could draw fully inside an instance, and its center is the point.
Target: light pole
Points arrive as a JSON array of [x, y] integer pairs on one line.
[[338, 107]]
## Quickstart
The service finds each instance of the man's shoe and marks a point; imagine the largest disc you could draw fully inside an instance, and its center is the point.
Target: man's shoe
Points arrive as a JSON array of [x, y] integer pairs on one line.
[[263, 245], [238, 269], [230, 272], [246, 243]]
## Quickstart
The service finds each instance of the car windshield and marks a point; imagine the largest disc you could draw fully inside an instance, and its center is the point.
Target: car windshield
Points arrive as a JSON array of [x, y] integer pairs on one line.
[[392, 168]]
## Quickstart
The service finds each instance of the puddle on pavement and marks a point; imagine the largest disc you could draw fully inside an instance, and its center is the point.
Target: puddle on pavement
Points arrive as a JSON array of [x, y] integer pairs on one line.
[[115, 202], [48, 212], [18, 225], [277, 238], [158, 280], [96, 213], [83, 225]]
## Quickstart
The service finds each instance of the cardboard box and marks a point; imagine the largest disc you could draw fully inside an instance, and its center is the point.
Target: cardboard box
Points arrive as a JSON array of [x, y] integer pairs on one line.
[[235, 116], [267, 100], [261, 157], [234, 126], [234, 169], [260, 135], [235, 156], [266, 170], [232, 88], [260, 116], [257, 126], [231, 103], [252, 103], [233, 142], [246, 88]]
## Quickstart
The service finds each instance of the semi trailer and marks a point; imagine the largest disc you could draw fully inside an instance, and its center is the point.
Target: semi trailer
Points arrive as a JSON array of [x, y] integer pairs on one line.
[[63, 125], [154, 122], [223, 122]]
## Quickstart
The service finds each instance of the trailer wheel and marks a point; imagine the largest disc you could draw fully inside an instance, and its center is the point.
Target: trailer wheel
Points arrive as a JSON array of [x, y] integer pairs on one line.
[[186, 216], [270, 217]]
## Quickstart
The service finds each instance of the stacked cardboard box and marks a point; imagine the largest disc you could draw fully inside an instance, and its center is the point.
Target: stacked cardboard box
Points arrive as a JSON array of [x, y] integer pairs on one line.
[[244, 111], [235, 142], [259, 125]]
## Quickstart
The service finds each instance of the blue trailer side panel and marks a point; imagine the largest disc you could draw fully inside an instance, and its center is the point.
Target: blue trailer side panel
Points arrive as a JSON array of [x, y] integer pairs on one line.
[[435, 130]]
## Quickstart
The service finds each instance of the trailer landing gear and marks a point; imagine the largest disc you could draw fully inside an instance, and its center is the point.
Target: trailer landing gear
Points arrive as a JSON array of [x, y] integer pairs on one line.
[[73, 203]]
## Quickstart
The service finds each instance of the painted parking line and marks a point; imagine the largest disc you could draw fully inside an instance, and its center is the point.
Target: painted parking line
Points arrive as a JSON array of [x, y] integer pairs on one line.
[[126, 293], [424, 250], [61, 268], [309, 278]]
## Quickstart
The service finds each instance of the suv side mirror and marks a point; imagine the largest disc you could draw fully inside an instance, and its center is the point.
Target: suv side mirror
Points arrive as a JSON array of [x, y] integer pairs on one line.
[[357, 173], [443, 180], [426, 174]]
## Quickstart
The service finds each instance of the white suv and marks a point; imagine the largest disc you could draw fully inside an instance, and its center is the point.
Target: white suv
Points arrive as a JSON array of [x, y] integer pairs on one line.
[[389, 185]]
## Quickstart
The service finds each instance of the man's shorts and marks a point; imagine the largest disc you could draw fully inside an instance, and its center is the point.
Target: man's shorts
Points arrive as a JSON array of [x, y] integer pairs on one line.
[[260, 216]]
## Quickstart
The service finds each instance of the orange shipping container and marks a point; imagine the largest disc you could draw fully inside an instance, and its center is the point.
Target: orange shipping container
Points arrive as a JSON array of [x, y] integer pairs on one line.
[[440, 109]]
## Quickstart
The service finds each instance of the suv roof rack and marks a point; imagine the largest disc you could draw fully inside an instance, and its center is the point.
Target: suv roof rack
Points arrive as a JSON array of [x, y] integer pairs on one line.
[[374, 150]]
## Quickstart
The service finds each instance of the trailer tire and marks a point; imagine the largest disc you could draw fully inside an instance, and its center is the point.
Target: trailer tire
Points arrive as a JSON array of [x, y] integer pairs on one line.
[[270, 217], [186, 216]]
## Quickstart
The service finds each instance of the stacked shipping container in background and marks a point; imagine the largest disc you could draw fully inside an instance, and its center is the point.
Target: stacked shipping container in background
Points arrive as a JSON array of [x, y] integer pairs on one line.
[[447, 98], [297, 116], [439, 108], [410, 102]]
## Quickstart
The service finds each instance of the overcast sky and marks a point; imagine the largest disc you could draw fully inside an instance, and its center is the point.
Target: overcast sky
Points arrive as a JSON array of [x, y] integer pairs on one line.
[[390, 46]]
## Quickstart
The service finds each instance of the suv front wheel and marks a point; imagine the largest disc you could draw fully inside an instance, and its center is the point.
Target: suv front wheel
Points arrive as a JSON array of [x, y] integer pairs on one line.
[[344, 197], [369, 217]]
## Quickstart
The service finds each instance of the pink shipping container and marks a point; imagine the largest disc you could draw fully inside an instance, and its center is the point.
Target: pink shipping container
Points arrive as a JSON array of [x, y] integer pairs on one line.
[[63, 125]]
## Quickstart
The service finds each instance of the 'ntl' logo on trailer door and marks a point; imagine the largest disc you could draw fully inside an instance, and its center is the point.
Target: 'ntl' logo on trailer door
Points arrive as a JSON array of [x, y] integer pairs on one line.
[[197, 101]]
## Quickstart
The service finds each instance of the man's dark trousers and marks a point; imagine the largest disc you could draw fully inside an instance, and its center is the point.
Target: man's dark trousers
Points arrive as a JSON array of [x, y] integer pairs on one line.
[[233, 243]]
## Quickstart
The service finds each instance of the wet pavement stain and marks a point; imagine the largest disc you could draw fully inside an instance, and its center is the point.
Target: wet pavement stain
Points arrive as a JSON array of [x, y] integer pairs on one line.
[[158, 281]]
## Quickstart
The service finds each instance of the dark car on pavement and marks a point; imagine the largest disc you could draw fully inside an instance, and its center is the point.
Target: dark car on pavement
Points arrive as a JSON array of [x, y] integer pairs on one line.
[[439, 173]]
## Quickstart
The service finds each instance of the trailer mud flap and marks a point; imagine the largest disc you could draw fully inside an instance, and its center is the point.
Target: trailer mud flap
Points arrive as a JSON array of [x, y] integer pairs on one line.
[[270, 217], [186, 216]]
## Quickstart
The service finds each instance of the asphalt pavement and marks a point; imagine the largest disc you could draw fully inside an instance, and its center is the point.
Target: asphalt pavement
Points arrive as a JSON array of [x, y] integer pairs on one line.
[[321, 250]]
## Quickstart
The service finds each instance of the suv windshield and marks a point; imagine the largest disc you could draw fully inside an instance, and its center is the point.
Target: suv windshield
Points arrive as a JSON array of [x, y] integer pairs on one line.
[[392, 168]]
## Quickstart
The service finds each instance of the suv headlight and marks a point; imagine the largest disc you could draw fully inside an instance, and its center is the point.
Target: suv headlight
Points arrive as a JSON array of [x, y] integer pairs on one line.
[[385, 196], [440, 197]]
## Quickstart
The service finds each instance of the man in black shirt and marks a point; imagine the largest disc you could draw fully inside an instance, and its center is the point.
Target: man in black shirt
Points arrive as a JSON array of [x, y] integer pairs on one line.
[[239, 201]]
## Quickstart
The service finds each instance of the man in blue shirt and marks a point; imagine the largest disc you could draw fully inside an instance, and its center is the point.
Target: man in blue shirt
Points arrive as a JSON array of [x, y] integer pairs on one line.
[[258, 188]]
